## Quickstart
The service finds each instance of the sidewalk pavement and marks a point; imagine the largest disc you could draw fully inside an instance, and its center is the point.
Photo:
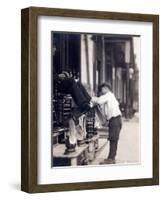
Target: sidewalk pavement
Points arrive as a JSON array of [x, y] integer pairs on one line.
[[129, 144]]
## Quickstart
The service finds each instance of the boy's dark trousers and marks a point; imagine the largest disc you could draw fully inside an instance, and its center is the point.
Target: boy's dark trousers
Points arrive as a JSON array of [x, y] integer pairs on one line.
[[115, 125]]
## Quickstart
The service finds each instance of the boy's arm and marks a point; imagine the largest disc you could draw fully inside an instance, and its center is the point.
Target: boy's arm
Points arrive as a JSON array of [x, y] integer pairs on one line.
[[99, 100]]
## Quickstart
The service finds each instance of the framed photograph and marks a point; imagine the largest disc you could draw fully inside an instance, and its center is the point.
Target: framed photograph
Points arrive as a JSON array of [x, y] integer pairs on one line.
[[89, 99]]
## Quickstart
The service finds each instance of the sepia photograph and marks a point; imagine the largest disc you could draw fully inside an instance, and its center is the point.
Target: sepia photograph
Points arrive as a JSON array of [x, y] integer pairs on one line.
[[90, 99], [95, 102]]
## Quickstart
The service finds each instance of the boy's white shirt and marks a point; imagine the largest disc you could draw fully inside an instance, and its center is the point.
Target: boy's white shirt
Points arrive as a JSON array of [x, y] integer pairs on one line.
[[108, 104]]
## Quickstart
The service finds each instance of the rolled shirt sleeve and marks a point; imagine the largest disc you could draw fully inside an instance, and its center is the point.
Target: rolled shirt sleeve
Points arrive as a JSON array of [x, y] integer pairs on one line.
[[100, 100], [109, 105]]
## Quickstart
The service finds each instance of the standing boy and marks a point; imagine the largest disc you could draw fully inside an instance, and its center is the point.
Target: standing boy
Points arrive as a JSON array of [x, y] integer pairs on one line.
[[112, 115]]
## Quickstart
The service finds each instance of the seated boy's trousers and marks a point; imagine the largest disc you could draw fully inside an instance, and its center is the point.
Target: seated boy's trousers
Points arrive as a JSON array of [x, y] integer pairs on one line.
[[77, 91]]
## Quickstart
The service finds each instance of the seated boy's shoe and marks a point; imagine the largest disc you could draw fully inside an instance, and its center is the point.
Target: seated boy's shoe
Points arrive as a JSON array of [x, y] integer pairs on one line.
[[64, 75], [108, 161]]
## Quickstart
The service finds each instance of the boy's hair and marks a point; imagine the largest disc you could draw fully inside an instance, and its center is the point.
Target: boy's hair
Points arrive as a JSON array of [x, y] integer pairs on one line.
[[105, 85]]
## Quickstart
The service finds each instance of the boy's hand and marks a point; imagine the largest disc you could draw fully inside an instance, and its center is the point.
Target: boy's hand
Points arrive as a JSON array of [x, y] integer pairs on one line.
[[94, 100]]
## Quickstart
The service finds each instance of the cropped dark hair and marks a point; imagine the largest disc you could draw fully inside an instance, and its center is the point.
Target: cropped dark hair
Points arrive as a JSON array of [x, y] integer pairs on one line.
[[105, 85]]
